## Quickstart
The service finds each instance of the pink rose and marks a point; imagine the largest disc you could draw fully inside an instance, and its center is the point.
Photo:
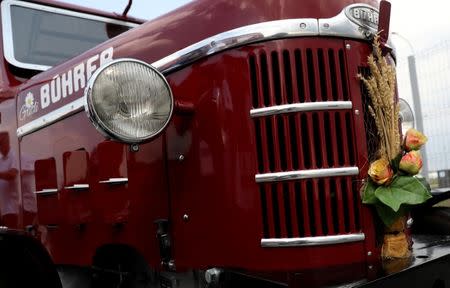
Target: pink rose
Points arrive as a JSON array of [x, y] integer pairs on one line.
[[380, 172], [414, 139], [411, 162]]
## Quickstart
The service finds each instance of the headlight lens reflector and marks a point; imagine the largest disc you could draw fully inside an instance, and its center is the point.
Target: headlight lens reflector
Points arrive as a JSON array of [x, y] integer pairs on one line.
[[129, 100], [406, 115]]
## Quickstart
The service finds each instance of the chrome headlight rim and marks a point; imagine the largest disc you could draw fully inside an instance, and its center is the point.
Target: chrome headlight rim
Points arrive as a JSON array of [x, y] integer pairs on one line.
[[97, 121]]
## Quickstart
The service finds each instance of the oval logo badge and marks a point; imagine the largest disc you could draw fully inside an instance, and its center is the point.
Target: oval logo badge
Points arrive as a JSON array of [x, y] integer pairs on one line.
[[364, 16]]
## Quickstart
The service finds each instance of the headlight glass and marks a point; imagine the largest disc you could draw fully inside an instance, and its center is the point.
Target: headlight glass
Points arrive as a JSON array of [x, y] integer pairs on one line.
[[129, 100]]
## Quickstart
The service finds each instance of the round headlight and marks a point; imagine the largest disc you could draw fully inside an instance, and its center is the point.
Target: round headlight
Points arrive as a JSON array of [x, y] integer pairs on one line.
[[128, 100]]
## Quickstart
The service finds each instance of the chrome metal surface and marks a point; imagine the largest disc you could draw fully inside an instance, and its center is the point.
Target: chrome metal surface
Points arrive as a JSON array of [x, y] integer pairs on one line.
[[98, 122], [185, 217], [181, 158], [134, 147], [409, 223], [52, 117], [338, 26], [300, 107], [312, 241], [238, 37], [306, 174], [348, 26], [212, 276], [46, 192], [171, 265], [8, 45], [52, 226], [77, 187], [117, 181]]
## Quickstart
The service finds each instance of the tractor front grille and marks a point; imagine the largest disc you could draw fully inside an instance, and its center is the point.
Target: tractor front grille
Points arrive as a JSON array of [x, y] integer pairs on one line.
[[305, 140]]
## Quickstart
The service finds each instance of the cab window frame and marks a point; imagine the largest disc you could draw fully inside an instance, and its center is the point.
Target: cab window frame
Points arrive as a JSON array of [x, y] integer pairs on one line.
[[7, 29]]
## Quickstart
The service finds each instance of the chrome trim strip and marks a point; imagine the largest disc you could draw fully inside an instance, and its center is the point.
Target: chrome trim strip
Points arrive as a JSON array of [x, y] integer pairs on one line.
[[300, 107], [8, 47], [238, 37], [338, 26], [114, 181], [306, 174], [77, 187], [44, 192], [52, 226], [52, 117], [311, 241]]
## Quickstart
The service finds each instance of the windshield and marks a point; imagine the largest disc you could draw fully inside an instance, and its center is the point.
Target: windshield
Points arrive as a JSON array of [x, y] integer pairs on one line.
[[38, 37]]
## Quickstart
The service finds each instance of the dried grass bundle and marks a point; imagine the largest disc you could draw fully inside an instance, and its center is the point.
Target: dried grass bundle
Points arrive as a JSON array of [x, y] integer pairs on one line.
[[381, 88]]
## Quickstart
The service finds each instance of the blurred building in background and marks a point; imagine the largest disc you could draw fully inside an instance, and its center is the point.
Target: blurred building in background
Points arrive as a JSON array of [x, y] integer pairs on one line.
[[433, 72]]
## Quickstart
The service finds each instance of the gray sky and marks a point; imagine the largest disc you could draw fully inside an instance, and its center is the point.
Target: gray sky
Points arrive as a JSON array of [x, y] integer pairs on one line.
[[423, 23], [145, 9]]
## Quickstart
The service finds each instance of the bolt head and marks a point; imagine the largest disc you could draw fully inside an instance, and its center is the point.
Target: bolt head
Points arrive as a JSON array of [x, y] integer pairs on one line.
[[348, 46], [356, 112], [134, 148], [212, 275], [185, 217], [302, 25], [326, 25], [181, 158], [369, 253], [171, 265]]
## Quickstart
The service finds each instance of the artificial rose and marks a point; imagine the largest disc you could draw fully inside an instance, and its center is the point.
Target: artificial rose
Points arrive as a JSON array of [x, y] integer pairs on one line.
[[414, 140], [380, 172], [411, 162]]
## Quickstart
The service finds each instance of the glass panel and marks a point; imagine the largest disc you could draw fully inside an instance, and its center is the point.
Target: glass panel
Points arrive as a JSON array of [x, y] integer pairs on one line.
[[46, 38]]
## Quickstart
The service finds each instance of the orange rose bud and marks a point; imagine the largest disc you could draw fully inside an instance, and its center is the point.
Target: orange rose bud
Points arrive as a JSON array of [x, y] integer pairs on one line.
[[411, 162], [414, 139], [380, 172]]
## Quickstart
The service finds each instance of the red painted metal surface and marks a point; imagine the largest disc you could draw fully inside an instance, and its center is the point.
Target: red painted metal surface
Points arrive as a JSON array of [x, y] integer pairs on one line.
[[88, 219], [76, 172], [218, 145], [214, 185], [357, 56]]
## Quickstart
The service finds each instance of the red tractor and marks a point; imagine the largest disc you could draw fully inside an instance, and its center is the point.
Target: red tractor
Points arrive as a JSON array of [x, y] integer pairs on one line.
[[221, 145]]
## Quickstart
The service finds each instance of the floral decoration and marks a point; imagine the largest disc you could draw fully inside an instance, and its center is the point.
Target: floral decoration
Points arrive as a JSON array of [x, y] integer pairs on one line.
[[392, 185]]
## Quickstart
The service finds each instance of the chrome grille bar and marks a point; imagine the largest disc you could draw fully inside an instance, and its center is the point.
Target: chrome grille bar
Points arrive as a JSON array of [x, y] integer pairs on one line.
[[306, 174], [301, 107], [311, 241]]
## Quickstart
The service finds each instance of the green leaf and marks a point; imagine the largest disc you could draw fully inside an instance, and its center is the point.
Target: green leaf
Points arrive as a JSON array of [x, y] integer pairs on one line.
[[387, 215], [368, 195], [403, 190], [424, 182]]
